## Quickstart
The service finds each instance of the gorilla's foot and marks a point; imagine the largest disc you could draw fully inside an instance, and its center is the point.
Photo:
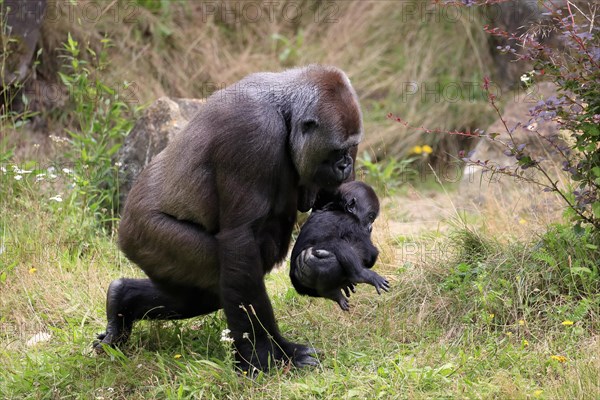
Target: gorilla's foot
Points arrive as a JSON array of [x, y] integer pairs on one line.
[[110, 338], [262, 356], [343, 303], [302, 356], [119, 325]]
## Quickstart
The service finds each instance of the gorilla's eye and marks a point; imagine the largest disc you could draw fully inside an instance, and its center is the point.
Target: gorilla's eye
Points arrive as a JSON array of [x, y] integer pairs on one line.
[[309, 125]]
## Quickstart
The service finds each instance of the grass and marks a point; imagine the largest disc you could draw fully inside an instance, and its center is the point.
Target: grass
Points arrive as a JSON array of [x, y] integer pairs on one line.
[[178, 50], [482, 306], [473, 318]]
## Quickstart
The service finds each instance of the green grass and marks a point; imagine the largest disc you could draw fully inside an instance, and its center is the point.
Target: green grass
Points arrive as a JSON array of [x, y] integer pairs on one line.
[[482, 322], [473, 317]]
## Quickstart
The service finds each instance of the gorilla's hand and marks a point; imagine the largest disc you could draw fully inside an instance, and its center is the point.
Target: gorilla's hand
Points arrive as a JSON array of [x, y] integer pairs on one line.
[[311, 259], [312, 255]]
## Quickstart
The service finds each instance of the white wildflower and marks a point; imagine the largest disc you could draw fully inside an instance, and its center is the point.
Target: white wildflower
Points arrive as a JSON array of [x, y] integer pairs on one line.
[[59, 139], [56, 198], [20, 171], [67, 171], [51, 173], [40, 177], [18, 177], [2, 169], [246, 335], [225, 336]]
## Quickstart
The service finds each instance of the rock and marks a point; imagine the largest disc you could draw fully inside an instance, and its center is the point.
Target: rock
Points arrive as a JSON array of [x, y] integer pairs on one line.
[[23, 23], [164, 119]]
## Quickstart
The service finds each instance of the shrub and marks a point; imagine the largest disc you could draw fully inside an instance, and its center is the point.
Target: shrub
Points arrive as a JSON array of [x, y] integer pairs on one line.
[[100, 121], [387, 176], [575, 69]]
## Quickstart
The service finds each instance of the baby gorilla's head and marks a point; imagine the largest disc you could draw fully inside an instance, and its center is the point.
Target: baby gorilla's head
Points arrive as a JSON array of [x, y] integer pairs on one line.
[[359, 199]]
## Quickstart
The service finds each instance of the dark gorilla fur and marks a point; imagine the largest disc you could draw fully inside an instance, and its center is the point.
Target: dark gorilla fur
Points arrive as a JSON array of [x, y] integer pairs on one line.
[[214, 212], [334, 248]]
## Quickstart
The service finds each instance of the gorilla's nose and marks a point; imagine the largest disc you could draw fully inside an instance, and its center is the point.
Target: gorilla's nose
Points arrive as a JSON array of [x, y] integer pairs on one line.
[[344, 168]]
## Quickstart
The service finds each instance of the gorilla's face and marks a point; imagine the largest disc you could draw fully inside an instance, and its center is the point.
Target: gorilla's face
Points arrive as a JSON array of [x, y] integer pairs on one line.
[[324, 139], [323, 161], [326, 128], [335, 169], [360, 200]]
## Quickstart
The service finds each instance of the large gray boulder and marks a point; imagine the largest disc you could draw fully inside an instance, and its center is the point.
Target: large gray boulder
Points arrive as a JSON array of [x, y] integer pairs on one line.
[[164, 119]]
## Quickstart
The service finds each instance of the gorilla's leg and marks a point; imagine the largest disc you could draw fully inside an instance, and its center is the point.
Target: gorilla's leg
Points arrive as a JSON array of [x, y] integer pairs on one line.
[[129, 300], [323, 268], [357, 273]]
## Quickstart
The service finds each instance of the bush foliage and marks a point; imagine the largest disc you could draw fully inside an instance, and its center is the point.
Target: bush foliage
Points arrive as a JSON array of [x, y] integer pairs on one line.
[[575, 69]]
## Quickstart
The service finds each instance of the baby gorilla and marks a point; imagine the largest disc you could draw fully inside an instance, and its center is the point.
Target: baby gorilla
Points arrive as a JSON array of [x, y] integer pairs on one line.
[[334, 250]]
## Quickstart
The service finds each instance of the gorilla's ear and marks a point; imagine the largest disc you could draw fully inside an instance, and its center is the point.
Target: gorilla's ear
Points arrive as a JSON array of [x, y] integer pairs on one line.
[[308, 125], [351, 206]]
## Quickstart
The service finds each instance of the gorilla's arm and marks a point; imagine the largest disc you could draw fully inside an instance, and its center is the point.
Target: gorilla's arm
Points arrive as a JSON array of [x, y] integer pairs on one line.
[[254, 219], [245, 302]]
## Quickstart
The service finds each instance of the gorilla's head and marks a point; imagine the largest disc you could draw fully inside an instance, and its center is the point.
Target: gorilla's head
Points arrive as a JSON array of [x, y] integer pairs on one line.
[[326, 127], [359, 199]]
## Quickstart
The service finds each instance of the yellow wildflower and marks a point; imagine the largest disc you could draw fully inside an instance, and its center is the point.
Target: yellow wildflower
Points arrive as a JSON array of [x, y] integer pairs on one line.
[[521, 322], [492, 315], [567, 323], [537, 393], [417, 150], [427, 149], [522, 221], [525, 343], [560, 359], [509, 333], [32, 270], [177, 356]]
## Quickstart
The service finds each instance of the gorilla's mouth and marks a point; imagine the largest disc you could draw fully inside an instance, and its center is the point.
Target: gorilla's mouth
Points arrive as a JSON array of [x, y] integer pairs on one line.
[[306, 198]]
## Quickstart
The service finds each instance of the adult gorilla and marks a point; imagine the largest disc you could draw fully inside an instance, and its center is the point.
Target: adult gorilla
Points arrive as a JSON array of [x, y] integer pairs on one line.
[[214, 212]]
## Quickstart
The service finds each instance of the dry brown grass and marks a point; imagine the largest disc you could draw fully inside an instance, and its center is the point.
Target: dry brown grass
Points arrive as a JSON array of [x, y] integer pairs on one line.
[[383, 45]]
